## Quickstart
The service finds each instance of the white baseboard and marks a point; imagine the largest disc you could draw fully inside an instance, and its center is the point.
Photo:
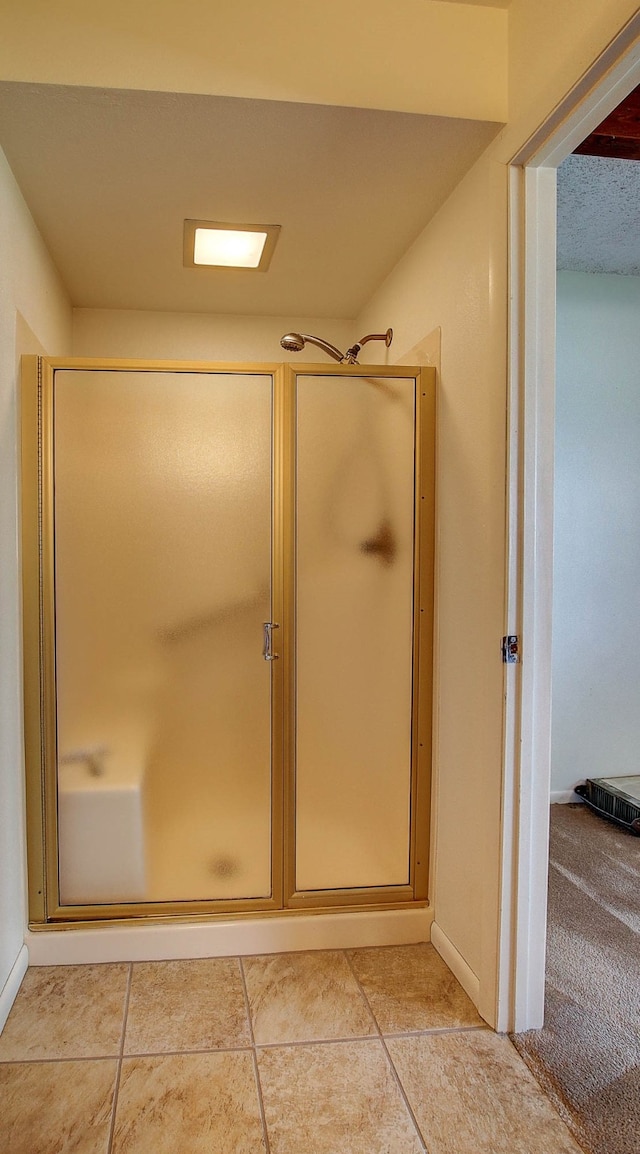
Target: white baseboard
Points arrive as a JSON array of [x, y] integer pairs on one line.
[[267, 935], [456, 963], [12, 985], [564, 797]]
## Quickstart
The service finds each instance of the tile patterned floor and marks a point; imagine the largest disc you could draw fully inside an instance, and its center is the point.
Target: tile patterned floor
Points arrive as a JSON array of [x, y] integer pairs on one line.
[[374, 1051]]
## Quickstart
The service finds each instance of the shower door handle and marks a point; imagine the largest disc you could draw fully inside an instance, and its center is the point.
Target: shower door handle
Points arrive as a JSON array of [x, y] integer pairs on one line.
[[267, 651]]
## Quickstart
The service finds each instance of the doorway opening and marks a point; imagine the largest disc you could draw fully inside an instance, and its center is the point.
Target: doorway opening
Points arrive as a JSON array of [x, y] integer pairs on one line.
[[593, 910], [532, 422]]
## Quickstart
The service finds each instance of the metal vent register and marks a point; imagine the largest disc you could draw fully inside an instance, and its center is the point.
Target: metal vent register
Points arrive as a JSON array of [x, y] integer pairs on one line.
[[617, 798]]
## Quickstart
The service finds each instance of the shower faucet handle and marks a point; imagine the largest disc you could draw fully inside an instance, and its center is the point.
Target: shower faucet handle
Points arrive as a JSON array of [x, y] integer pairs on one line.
[[267, 651]]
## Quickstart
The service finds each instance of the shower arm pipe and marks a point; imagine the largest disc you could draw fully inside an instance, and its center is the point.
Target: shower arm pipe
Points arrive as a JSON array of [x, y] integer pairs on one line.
[[351, 355]]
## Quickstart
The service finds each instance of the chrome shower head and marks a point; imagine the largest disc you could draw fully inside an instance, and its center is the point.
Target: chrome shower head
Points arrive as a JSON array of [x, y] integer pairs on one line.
[[293, 342]]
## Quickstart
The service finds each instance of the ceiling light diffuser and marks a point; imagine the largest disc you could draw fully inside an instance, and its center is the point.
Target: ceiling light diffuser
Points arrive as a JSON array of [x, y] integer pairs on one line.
[[212, 244]]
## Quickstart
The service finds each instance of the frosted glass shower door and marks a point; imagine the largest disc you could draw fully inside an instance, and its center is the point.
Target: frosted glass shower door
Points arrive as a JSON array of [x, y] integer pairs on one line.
[[354, 635], [163, 498]]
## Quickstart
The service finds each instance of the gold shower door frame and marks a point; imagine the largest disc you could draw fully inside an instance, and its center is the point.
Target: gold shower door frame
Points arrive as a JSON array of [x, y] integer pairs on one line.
[[40, 722]]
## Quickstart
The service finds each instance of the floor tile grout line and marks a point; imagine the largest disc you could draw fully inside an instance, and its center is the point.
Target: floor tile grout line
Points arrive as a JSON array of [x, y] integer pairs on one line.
[[293, 953], [243, 1049], [254, 1057], [52, 1061], [247, 1004], [403, 1094], [256, 1074], [316, 1042], [430, 1030], [186, 1052], [369, 1038], [393, 1071], [363, 994], [116, 1089], [246, 1048]]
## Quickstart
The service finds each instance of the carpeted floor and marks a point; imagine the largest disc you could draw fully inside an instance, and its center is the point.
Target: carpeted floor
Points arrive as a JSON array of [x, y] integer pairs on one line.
[[587, 1057]]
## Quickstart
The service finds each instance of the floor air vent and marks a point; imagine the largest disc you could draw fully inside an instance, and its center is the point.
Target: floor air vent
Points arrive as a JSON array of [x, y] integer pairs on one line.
[[617, 798]]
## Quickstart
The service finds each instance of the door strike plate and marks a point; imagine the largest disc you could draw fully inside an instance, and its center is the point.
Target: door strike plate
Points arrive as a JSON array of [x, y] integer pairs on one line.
[[511, 649]]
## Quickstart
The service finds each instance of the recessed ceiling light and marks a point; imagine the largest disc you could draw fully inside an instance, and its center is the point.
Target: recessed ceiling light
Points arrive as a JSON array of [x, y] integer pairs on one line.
[[211, 244]]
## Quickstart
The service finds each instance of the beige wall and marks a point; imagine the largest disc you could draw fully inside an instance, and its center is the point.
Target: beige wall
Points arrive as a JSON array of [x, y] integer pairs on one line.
[[412, 56], [596, 558], [455, 277], [195, 336], [34, 315], [551, 45]]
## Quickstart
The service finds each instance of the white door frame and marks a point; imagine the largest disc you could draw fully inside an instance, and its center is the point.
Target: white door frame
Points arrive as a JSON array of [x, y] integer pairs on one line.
[[532, 227]]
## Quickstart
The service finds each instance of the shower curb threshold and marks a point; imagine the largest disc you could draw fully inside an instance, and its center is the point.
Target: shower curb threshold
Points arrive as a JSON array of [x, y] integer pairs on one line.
[[78, 944]]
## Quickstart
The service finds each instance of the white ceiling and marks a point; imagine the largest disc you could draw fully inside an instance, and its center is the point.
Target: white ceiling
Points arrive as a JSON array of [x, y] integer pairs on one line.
[[599, 215], [110, 175]]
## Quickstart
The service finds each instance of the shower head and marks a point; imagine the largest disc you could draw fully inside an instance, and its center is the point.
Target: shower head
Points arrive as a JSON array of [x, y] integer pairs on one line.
[[293, 342]]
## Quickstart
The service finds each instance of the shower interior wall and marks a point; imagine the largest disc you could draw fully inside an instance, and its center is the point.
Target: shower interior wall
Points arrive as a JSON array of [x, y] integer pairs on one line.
[[195, 336]]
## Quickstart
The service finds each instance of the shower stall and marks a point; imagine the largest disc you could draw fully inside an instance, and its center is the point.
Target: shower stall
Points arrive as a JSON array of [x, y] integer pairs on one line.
[[228, 599]]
